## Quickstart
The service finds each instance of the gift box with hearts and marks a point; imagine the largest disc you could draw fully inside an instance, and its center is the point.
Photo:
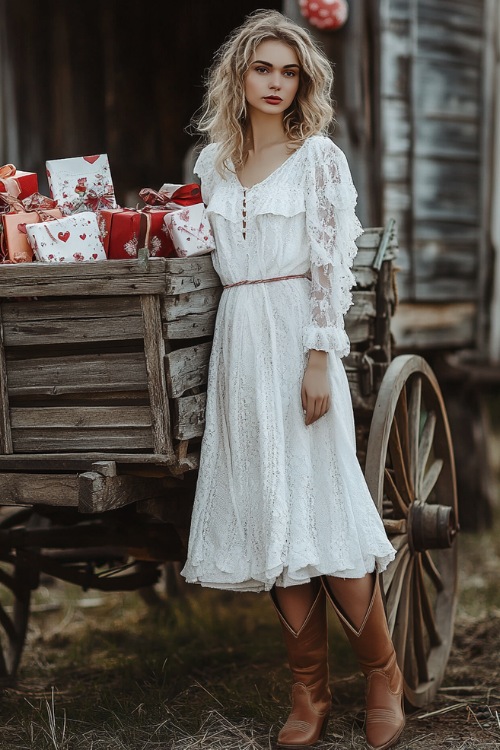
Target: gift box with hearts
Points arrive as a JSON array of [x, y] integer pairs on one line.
[[18, 184], [16, 247], [68, 240], [82, 183], [190, 231]]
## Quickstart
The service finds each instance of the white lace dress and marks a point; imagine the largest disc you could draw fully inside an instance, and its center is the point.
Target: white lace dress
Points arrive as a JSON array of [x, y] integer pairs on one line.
[[278, 501]]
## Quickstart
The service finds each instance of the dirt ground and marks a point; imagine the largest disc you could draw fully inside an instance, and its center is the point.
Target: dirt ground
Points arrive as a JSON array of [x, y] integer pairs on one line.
[[108, 672]]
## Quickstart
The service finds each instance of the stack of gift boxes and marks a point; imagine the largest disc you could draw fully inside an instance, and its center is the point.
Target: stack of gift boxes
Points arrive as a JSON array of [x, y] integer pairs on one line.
[[81, 221]]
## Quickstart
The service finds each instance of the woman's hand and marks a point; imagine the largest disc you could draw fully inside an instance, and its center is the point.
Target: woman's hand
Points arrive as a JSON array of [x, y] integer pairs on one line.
[[315, 392]]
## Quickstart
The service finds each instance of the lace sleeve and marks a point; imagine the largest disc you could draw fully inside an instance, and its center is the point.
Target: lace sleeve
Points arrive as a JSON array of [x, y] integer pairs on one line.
[[204, 168], [332, 227]]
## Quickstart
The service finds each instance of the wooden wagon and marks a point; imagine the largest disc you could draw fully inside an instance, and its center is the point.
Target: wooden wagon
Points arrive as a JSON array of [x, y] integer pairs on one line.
[[103, 384]]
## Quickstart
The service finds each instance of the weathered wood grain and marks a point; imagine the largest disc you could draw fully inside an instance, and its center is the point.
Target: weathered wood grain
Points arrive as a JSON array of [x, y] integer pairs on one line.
[[66, 440], [77, 374], [32, 489], [154, 351], [190, 326], [98, 493], [430, 325], [110, 277], [187, 367], [81, 418], [82, 461], [189, 416], [190, 303], [5, 433], [72, 331]]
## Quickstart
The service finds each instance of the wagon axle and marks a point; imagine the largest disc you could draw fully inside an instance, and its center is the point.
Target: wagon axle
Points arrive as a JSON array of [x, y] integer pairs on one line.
[[431, 526]]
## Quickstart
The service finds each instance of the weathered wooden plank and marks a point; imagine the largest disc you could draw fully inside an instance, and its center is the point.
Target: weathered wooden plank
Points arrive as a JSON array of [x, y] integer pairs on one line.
[[190, 326], [81, 418], [64, 461], [77, 374], [450, 88], [5, 433], [187, 367], [84, 308], [185, 275], [66, 440], [72, 331], [32, 489], [446, 191], [154, 351], [110, 277], [190, 303], [98, 493], [445, 270], [189, 416], [419, 326]]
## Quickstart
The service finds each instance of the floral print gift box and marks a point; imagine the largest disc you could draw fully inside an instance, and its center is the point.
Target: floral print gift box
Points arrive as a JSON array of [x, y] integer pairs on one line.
[[67, 240], [82, 183]]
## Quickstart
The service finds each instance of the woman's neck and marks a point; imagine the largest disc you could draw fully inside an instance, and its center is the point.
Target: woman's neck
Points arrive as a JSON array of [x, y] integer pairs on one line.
[[263, 131]]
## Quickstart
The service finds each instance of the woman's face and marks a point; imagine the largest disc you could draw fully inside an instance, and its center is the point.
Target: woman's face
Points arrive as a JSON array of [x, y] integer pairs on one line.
[[272, 78]]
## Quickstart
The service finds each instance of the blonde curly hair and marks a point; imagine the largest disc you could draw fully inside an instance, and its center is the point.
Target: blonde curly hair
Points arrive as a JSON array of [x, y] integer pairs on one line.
[[223, 115]]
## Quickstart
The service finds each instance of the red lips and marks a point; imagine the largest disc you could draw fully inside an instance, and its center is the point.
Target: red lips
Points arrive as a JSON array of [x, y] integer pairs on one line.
[[273, 99]]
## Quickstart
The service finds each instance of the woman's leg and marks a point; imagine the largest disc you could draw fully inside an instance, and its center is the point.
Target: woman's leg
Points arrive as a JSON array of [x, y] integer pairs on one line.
[[302, 615], [358, 603]]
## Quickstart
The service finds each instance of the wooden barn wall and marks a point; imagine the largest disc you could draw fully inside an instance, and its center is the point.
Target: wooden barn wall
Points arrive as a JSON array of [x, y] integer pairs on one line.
[[431, 109], [114, 76]]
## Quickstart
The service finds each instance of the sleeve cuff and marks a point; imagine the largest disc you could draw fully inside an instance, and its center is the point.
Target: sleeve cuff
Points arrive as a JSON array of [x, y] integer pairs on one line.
[[327, 339]]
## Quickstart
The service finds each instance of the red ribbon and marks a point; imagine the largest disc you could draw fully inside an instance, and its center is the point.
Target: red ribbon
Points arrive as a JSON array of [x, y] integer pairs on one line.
[[10, 184], [185, 195]]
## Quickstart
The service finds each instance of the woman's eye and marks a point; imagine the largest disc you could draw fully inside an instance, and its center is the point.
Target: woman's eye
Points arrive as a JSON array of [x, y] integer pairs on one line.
[[290, 73], [261, 70]]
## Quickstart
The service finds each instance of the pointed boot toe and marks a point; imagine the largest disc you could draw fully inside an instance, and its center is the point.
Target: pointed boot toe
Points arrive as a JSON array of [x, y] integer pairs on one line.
[[307, 722]]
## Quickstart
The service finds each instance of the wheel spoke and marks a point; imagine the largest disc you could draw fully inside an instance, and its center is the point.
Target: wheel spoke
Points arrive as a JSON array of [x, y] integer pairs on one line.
[[424, 449], [401, 417], [432, 571], [399, 506], [427, 612], [418, 629], [398, 464], [395, 586], [402, 609], [430, 479], [7, 625], [414, 427], [410, 662]]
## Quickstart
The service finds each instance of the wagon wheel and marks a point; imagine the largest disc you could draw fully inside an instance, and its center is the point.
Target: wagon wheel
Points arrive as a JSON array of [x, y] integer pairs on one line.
[[17, 579], [410, 471]]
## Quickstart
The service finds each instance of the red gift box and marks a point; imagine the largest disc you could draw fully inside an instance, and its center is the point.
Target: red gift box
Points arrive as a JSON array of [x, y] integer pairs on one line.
[[125, 230], [18, 184]]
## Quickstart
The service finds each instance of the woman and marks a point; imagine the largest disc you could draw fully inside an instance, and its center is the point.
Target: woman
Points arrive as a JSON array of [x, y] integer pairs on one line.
[[281, 502]]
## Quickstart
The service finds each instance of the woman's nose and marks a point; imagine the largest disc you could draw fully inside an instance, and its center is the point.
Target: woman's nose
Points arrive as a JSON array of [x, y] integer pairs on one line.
[[275, 83]]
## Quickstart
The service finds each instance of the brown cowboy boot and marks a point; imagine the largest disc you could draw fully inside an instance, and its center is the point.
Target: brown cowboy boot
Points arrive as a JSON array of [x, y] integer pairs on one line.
[[308, 658], [372, 644]]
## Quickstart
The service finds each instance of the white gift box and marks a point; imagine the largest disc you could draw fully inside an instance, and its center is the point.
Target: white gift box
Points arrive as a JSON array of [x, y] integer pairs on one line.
[[190, 231], [82, 183], [68, 240]]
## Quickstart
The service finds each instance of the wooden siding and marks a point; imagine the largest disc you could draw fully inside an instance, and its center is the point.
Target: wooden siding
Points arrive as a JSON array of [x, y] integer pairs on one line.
[[431, 107]]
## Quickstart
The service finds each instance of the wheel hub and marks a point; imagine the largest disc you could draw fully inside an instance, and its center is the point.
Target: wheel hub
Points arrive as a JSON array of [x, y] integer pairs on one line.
[[431, 526]]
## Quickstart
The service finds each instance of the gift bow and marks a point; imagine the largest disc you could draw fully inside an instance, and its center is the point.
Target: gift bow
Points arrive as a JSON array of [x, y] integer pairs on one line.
[[94, 201], [172, 196], [10, 184], [36, 202]]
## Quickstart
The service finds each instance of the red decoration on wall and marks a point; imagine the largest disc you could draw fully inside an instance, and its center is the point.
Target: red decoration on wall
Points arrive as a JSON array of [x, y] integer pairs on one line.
[[327, 15]]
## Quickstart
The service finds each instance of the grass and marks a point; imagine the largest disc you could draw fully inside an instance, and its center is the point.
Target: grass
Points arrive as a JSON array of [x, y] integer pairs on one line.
[[108, 672]]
